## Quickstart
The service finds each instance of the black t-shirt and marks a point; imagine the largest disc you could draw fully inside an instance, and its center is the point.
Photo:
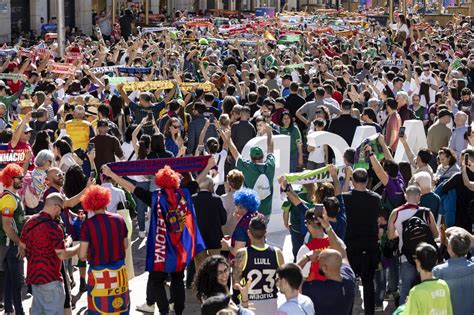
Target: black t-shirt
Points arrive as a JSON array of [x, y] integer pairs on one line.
[[293, 103], [345, 126], [362, 211]]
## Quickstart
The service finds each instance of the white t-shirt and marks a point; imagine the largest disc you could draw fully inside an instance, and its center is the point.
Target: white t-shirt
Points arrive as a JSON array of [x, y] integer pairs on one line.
[[220, 161], [301, 305], [432, 81], [66, 162], [316, 156]]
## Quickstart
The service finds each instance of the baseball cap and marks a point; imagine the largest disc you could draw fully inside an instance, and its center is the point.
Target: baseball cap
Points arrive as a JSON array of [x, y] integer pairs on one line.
[[287, 77], [27, 128], [444, 112], [256, 152]]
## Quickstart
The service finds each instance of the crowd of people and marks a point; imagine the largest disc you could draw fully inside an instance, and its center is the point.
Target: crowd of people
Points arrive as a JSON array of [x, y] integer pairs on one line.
[[74, 128]]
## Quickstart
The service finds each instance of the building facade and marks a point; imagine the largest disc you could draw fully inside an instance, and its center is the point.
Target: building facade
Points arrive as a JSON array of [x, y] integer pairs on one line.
[[18, 16]]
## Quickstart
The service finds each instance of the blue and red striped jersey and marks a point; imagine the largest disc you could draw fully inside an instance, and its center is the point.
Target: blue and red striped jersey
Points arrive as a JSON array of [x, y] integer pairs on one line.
[[105, 234]]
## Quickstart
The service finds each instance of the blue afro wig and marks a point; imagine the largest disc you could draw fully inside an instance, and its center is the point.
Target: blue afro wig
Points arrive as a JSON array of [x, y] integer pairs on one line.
[[247, 199]]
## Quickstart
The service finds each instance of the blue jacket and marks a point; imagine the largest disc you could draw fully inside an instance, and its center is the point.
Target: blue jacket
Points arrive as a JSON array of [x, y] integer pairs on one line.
[[459, 274], [448, 203]]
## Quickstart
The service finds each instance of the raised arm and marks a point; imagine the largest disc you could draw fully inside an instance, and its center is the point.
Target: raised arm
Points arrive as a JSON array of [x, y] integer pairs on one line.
[[269, 139], [286, 187], [409, 152], [202, 135], [135, 133], [118, 179], [335, 180], [202, 175], [378, 169], [233, 150], [19, 130]]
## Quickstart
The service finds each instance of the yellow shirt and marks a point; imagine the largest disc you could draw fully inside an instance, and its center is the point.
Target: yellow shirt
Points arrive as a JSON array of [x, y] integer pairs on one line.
[[79, 131]]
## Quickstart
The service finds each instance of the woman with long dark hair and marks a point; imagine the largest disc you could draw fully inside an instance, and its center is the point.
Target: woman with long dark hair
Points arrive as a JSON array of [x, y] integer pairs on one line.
[[212, 277], [64, 156], [42, 142], [211, 282], [174, 142], [158, 147]]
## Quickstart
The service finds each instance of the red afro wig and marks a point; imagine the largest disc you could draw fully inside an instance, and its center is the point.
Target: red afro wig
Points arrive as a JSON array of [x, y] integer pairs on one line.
[[167, 178], [10, 171], [95, 198]]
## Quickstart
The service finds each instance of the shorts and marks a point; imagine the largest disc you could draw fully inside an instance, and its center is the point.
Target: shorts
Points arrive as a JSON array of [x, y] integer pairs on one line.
[[48, 298]]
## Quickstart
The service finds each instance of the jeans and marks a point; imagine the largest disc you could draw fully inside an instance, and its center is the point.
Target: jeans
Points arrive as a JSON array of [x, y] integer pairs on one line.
[[141, 206], [156, 292], [393, 275], [380, 285], [13, 282], [294, 162], [408, 275], [297, 240], [364, 264], [48, 299]]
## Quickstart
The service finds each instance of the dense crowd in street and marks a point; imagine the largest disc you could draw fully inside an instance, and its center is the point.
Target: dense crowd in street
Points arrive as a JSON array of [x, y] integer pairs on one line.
[[196, 133]]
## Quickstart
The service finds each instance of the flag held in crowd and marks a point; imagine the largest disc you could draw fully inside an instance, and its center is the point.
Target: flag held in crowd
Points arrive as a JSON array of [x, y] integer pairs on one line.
[[149, 167]]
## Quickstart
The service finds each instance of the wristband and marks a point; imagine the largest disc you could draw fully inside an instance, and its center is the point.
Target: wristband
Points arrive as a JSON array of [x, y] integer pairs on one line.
[[329, 228], [371, 154], [287, 188]]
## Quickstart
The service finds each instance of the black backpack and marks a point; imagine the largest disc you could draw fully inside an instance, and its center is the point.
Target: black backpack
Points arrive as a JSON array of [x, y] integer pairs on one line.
[[416, 230]]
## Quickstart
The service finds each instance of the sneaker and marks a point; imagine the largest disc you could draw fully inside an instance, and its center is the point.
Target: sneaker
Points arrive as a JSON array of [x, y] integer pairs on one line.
[[379, 308], [145, 308], [142, 234]]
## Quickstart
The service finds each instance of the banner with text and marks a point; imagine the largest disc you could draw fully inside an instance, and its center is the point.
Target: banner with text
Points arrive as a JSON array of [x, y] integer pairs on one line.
[[150, 167]]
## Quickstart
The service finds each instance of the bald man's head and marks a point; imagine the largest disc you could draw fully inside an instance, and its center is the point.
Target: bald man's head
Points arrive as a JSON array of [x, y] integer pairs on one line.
[[330, 262], [55, 176]]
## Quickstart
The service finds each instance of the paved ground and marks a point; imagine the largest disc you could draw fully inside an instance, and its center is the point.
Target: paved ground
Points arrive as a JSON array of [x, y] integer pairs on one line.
[[138, 284]]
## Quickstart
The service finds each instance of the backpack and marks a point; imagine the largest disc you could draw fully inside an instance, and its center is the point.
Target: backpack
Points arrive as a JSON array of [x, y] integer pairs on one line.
[[416, 230], [448, 203], [28, 192], [262, 185]]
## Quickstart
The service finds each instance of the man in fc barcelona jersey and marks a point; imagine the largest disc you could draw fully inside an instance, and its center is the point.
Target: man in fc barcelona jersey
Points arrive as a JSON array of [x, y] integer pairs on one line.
[[103, 243]]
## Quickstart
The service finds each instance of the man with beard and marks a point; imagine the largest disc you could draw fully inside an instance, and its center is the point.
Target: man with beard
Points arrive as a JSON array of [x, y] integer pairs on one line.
[[43, 239], [11, 254], [55, 179]]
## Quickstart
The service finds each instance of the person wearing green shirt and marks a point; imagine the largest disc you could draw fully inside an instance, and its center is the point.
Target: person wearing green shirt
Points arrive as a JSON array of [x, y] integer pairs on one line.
[[292, 216], [8, 100], [287, 127], [258, 172], [432, 295]]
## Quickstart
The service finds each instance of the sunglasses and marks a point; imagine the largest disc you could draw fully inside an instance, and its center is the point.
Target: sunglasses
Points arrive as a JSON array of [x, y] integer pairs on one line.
[[174, 126], [60, 174], [19, 177]]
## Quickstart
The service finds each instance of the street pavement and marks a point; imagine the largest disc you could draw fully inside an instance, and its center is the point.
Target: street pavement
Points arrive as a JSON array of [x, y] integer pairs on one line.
[[137, 285]]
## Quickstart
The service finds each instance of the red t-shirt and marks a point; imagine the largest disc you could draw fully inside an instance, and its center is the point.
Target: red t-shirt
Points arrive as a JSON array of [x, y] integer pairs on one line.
[[23, 146], [316, 244], [42, 236]]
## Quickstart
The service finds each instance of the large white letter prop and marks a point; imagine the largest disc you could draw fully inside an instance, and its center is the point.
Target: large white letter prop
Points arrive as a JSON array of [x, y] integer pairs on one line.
[[362, 133], [416, 138], [336, 142], [281, 150]]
